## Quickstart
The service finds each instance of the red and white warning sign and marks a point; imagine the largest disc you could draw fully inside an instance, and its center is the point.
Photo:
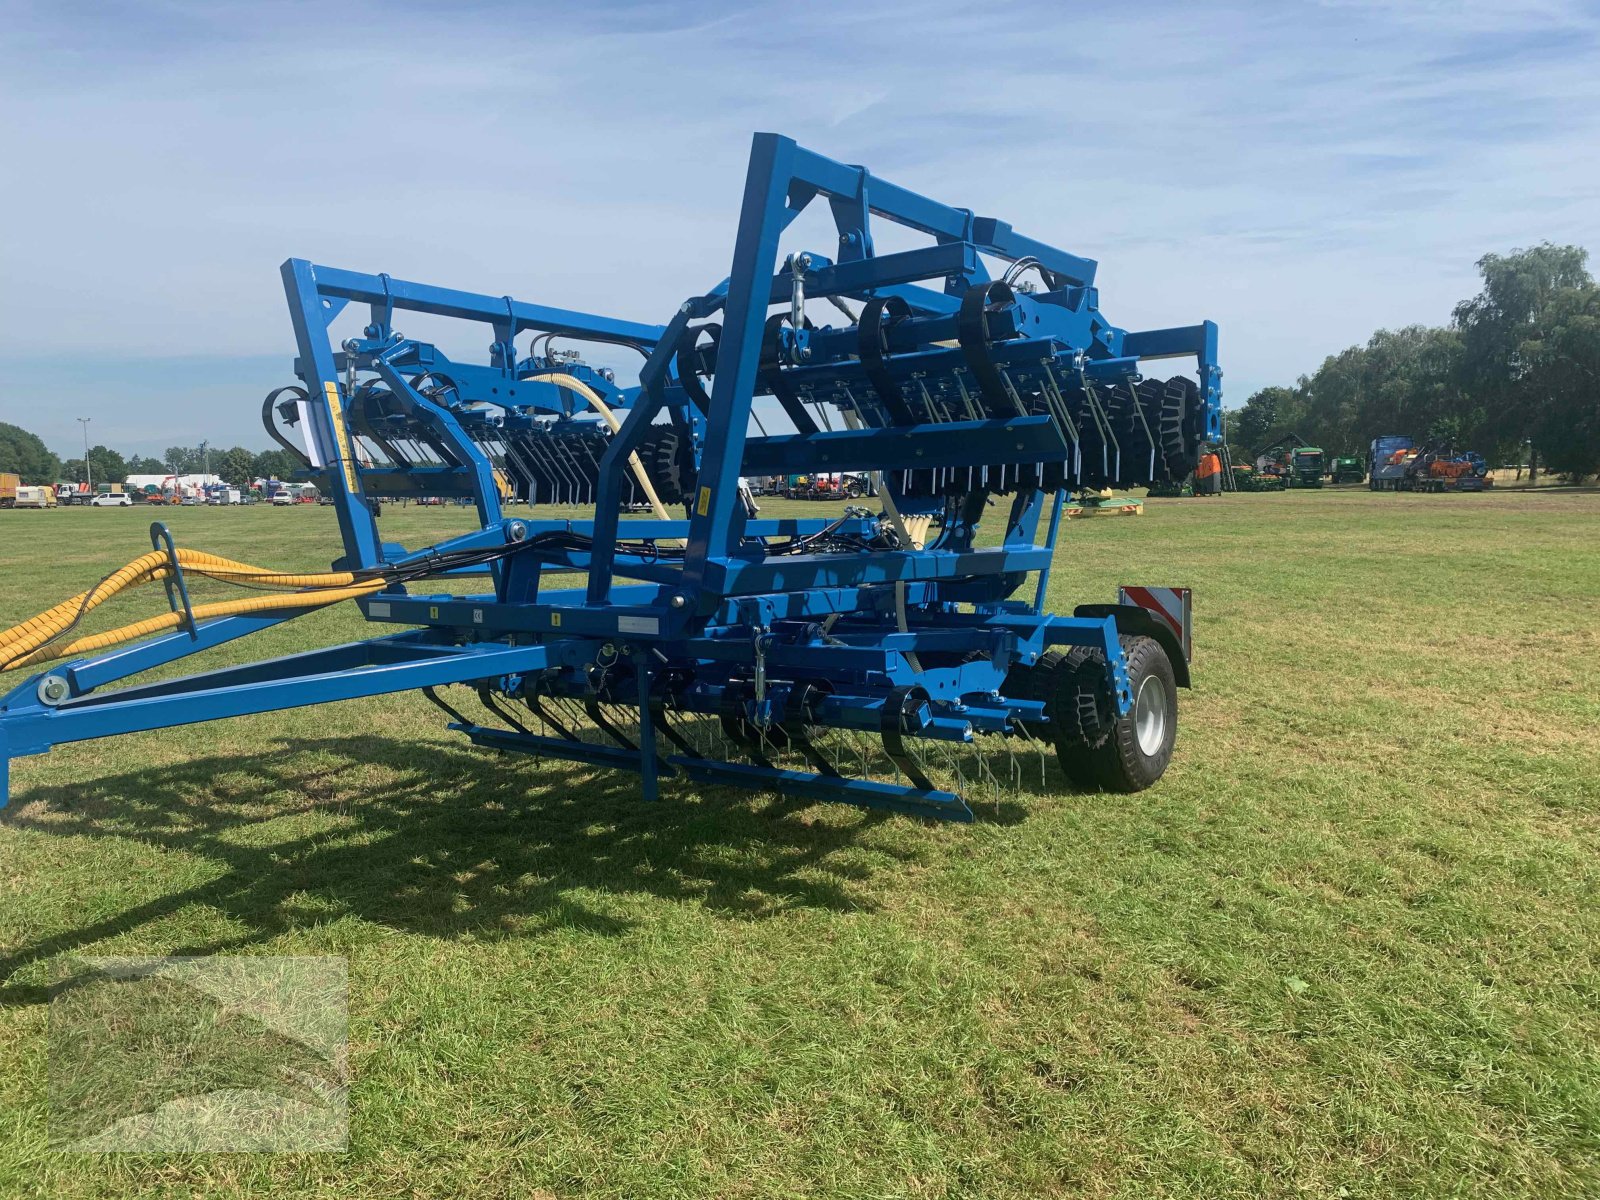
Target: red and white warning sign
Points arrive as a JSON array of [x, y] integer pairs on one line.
[[1170, 606]]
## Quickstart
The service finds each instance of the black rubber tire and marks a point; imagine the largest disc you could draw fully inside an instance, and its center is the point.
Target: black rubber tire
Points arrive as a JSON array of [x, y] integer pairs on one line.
[[1120, 764], [1083, 710], [669, 461], [1036, 682]]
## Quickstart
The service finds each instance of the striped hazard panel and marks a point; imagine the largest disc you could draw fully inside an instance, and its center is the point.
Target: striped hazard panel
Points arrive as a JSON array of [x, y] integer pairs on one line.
[[1171, 606]]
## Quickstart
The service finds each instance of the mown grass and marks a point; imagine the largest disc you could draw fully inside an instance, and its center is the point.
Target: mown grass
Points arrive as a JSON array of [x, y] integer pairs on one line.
[[1348, 947]]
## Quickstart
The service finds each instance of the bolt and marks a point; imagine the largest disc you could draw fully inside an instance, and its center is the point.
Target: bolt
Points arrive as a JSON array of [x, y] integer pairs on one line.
[[53, 690], [679, 600], [518, 530], [684, 308]]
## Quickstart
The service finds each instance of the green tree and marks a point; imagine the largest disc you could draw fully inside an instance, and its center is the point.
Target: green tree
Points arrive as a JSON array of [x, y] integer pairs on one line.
[[108, 465], [183, 460], [1501, 325], [1270, 412], [1562, 364], [138, 465], [275, 464], [22, 453], [236, 466]]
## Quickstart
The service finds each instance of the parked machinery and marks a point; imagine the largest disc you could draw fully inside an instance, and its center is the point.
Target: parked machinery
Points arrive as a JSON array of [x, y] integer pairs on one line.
[[1431, 469], [1295, 463], [1386, 461], [847, 657], [1347, 469]]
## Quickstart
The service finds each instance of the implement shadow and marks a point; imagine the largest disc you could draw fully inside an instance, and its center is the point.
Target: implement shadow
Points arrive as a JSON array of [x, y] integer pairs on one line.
[[440, 840]]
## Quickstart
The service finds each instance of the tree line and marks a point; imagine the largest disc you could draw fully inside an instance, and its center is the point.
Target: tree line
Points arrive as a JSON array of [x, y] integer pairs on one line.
[[26, 454], [1515, 376]]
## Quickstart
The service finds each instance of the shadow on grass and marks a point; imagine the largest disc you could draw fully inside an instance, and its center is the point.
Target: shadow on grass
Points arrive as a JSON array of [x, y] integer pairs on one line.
[[440, 840]]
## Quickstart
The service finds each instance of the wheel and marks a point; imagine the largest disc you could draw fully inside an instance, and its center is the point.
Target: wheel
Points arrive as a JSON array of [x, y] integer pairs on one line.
[[1140, 744], [1082, 714], [1036, 682]]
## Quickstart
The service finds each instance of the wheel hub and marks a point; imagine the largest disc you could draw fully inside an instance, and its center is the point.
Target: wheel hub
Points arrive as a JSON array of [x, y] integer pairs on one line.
[[1150, 714]]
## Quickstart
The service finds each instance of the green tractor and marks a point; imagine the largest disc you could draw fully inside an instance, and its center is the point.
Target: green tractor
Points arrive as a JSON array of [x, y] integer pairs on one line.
[[1348, 469]]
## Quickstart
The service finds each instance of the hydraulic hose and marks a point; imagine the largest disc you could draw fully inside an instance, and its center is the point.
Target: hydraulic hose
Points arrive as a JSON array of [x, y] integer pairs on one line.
[[314, 598], [23, 639], [572, 383]]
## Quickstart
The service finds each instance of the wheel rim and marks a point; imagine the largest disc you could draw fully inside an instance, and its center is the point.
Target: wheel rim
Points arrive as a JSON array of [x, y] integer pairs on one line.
[[1150, 715]]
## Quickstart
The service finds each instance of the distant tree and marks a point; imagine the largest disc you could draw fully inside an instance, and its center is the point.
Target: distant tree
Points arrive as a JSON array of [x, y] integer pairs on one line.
[[275, 464], [236, 466], [138, 465], [1268, 413], [1504, 327], [109, 466], [22, 453], [1562, 364]]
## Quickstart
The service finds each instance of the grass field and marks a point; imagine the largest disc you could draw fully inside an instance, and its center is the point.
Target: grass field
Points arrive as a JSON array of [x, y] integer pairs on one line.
[[1350, 945]]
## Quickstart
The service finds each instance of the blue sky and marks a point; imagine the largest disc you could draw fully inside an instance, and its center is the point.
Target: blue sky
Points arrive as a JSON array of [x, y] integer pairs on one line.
[[1301, 173]]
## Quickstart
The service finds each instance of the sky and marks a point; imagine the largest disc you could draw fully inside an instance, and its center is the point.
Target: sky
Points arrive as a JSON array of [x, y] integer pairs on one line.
[[1300, 173]]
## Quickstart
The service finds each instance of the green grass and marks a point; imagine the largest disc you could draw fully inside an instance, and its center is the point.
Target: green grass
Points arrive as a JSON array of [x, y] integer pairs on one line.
[[1347, 947]]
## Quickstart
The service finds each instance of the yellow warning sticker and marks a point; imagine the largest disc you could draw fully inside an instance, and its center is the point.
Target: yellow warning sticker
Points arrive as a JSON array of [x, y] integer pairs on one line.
[[703, 505], [555, 620], [341, 437], [433, 613]]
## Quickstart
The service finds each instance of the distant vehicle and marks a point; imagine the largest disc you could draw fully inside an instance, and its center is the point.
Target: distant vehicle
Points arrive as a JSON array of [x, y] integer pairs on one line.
[[1432, 470], [35, 496], [9, 484], [282, 499], [1347, 469], [823, 487], [1387, 460], [111, 500], [1293, 461]]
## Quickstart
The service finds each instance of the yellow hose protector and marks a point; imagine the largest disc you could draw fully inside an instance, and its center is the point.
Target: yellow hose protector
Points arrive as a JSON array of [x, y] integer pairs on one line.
[[574, 384], [19, 643], [175, 620]]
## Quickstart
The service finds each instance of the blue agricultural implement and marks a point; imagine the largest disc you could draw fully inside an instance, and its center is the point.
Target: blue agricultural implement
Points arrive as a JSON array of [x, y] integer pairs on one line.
[[841, 657]]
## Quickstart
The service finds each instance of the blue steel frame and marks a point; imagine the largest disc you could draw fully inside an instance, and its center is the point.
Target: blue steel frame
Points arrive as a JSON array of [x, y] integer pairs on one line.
[[726, 608]]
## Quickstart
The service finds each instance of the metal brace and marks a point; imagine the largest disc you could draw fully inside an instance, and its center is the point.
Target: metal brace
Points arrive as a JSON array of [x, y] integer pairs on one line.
[[161, 536]]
